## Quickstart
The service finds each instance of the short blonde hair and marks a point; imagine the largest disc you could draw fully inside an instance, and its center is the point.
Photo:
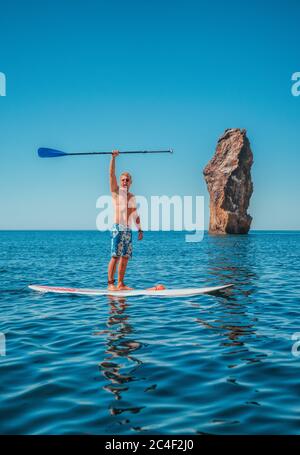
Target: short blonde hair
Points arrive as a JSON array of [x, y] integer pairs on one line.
[[127, 175]]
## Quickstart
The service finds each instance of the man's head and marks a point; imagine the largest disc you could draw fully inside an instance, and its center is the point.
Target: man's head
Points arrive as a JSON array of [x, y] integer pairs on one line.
[[125, 180]]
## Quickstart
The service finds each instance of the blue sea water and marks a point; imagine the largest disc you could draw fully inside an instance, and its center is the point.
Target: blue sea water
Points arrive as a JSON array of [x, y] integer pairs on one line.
[[210, 364]]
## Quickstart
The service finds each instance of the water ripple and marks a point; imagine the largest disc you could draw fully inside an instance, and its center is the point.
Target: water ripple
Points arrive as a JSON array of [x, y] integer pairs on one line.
[[211, 364]]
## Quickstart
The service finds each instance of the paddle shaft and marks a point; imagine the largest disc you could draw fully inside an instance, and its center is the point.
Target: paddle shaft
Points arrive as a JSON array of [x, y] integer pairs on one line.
[[121, 153]]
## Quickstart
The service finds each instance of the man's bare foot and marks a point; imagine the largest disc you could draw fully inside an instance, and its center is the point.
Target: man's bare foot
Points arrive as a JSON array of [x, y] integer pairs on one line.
[[112, 287], [123, 287]]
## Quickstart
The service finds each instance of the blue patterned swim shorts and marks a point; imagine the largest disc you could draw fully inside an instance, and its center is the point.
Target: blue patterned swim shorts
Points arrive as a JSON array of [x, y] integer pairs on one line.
[[121, 241]]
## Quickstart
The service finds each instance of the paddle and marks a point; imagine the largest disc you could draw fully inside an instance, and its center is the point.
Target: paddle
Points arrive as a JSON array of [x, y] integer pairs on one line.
[[52, 153]]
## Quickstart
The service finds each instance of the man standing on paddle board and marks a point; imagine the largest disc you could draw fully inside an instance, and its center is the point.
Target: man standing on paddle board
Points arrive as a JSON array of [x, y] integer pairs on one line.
[[121, 234]]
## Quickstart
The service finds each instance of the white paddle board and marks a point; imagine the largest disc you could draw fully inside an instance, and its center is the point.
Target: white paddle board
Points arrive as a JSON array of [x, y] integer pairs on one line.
[[135, 292]]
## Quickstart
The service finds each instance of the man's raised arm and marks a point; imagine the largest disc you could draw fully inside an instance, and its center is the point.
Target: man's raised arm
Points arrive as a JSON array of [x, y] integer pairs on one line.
[[112, 172]]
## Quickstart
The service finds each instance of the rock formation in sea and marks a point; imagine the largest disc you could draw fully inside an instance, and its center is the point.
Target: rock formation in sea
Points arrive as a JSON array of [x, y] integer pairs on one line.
[[228, 179]]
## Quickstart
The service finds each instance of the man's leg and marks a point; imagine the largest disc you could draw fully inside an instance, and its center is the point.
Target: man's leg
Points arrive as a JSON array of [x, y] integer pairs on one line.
[[122, 271], [111, 272]]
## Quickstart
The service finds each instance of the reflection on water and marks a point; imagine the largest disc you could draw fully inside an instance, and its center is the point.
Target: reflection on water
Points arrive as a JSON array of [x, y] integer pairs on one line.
[[118, 354], [230, 323]]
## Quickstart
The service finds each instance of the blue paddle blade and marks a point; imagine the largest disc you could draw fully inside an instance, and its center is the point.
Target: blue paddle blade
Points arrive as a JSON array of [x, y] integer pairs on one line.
[[49, 153]]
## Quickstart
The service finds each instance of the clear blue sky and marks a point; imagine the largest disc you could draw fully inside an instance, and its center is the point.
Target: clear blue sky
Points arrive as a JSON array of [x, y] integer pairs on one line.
[[93, 75]]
